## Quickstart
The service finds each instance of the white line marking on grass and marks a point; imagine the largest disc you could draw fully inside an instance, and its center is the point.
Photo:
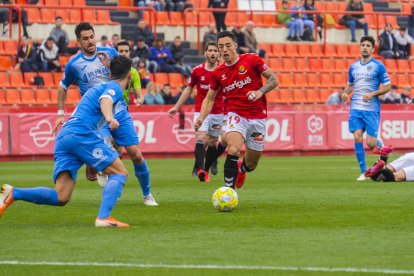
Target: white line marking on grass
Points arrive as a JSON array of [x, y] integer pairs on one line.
[[276, 268]]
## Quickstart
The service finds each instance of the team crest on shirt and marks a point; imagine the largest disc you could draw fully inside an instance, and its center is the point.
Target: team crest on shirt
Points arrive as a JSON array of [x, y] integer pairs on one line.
[[257, 136], [111, 92], [97, 153], [369, 67], [242, 70], [265, 67]]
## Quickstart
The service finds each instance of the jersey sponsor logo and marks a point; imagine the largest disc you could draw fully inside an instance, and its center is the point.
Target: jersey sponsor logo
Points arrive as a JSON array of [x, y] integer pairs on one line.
[[97, 153], [242, 70], [111, 92], [205, 86], [369, 67], [237, 84], [257, 136], [42, 133], [83, 68]]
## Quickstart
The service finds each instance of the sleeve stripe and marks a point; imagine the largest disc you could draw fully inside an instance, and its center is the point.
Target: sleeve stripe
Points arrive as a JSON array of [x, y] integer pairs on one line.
[[105, 96]]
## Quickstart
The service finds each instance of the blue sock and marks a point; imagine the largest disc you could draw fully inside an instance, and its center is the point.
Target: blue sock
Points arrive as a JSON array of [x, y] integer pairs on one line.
[[360, 155], [39, 195], [379, 142], [143, 175], [110, 194]]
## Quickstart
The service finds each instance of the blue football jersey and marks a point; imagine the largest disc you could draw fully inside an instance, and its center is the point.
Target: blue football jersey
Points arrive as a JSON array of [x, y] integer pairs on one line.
[[366, 78], [87, 71]]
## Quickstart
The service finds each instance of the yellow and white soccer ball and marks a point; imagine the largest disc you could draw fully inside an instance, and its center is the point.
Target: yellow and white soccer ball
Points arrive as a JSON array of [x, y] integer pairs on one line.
[[225, 199]]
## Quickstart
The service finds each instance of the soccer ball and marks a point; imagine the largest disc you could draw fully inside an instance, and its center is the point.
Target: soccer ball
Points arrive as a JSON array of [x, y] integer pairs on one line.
[[225, 199]]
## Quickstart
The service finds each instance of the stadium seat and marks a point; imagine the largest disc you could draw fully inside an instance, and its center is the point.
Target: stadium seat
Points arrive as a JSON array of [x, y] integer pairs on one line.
[[339, 80], [62, 13], [53, 96], [230, 18], [353, 50], [267, 47], [391, 65], [10, 47], [288, 64], [342, 50], [403, 66], [312, 80], [16, 79], [104, 17], [299, 80], [177, 18], [90, 16], [304, 50], [74, 16], [161, 78], [285, 96], [317, 50], [291, 50], [402, 80], [5, 63], [257, 18], [285, 80], [411, 62], [2, 98], [65, 3], [42, 96], [204, 17], [162, 18], [50, 3], [64, 60], [269, 20], [393, 78], [73, 96], [33, 15], [175, 80], [301, 65], [330, 50], [411, 76], [12, 96], [203, 4], [275, 64], [4, 79], [312, 96], [327, 65], [324, 94], [48, 16], [315, 65], [79, 3], [340, 65], [278, 49], [326, 80], [57, 77], [48, 79], [273, 97], [298, 96], [27, 96], [28, 78]]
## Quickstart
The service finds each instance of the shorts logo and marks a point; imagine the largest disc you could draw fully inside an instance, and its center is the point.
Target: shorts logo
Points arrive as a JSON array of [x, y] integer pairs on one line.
[[97, 153], [257, 136], [216, 127], [111, 92], [242, 70]]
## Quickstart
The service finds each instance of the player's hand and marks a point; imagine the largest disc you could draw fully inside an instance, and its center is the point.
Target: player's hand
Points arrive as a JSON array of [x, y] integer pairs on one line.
[[172, 112], [344, 97], [139, 101], [254, 95], [367, 97], [59, 121], [197, 124], [104, 58], [113, 123]]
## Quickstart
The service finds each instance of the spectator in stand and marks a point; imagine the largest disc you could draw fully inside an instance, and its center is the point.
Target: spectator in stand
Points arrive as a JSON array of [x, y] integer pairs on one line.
[[143, 73], [157, 5], [392, 97], [241, 40], [310, 6], [190, 100], [404, 42], [143, 32], [142, 52], [177, 5], [336, 98], [162, 55], [353, 21], [388, 46], [210, 35], [26, 57], [302, 21], [153, 96], [5, 15], [104, 43], [166, 94], [115, 39], [251, 41], [60, 36], [178, 57], [219, 16], [406, 95], [285, 18], [48, 57], [4, 19]]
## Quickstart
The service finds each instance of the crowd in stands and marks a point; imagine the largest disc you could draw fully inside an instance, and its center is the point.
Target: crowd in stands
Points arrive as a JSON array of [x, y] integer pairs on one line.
[[395, 45]]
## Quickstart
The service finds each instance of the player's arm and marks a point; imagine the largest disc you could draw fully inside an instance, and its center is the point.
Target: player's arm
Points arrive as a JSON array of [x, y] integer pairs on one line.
[[348, 90], [135, 88], [184, 96], [382, 90], [106, 109], [206, 107], [271, 83], [63, 86]]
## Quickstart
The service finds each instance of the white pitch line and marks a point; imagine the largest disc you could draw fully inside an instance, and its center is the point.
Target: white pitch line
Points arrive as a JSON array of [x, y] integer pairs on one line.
[[276, 268]]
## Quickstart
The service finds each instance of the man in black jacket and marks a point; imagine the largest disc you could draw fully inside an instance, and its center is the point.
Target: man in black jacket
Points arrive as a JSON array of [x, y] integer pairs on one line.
[[26, 57], [142, 52], [388, 46], [219, 17]]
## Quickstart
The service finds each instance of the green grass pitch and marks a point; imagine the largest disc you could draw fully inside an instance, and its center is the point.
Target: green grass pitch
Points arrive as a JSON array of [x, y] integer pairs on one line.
[[295, 214]]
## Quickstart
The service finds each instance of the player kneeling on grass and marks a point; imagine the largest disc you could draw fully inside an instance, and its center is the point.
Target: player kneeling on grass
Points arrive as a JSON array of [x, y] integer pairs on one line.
[[79, 142], [401, 169], [240, 78]]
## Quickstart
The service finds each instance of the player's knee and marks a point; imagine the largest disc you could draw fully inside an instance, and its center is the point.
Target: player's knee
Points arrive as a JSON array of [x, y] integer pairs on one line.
[[136, 156], [213, 141], [371, 144], [233, 150]]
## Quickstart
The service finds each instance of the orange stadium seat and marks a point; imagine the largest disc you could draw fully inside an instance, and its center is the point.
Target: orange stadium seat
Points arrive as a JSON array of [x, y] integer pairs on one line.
[[393, 78], [285, 96], [340, 80], [175, 79], [205, 17], [285, 79], [340, 65], [230, 18], [74, 16], [291, 50], [161, 78], [391, 65], [326, 80], [278, 49], [65, 3], [392, 20], [73, 96], [10, 47], [57, 77], [403, 65], [90, 16], [27, 96], [2, 98], [16, 79], [47, 78], [203, 4], [315, 64], [273, 96], [301, 64], [342, 50], [412, 82], [28, 78], [53, 96], [62, 13], [288, 64], [312, 80], [299, 95], [242, 18], [304, 50], [299, 80], [48, 16], [312, 96], [33, 15], [411, 62], [5, 63], [403, 80], [162, 18], [79, 3], [317, 50], [12, 96], [50, 3], [177, 18], [267, 47], [327, 65], [4, 79], [269, 20], [353, 50], [104, 17], [275, 64], [257, 18], [43, 96], [324, 94], [330, 50]]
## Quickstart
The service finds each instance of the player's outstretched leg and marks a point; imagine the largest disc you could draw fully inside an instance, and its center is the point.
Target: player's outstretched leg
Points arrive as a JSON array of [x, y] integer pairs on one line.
[[360, 155], [383, 150], [210, 157], [6, 197], [231, 170], [379, 165], [220, 150]]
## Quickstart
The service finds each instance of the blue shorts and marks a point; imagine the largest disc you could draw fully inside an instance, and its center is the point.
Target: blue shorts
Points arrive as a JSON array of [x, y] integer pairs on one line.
[[365, 120], [125, 135], [72, 150]]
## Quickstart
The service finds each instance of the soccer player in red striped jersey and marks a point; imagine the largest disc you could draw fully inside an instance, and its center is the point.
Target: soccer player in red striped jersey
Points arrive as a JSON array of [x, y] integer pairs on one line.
[[240, 79], [210, 130]]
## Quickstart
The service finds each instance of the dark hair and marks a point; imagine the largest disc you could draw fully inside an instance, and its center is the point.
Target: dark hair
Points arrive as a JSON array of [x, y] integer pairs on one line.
[[50, 39], [58, 17], [393, 86], [83, 26], [403, 28], [104, 37], [211, 43], [285, 2], [368, 38], [226, 34], [140, 39], [122, 43], [120, 67]]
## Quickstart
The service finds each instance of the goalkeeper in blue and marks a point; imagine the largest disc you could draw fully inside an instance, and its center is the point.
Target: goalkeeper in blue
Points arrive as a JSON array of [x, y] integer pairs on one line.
[[79, 142], [364, 77]]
